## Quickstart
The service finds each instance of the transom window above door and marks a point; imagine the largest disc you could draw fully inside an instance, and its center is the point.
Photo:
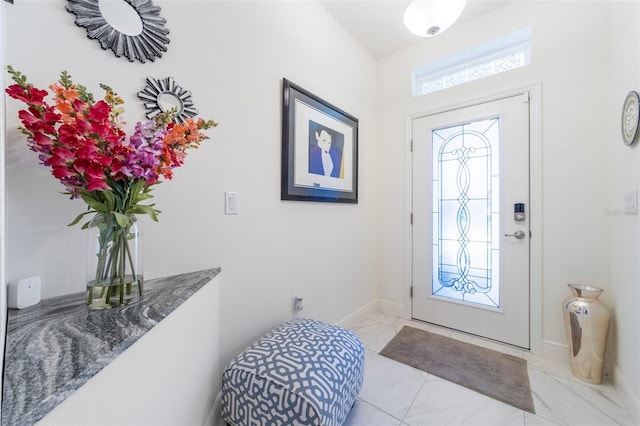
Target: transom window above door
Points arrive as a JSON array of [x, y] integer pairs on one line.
[[493, 57]]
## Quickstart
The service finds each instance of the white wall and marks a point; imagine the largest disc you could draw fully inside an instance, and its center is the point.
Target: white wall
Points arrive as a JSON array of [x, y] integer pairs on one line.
[[625, 229], [570, 61], [232, 56]]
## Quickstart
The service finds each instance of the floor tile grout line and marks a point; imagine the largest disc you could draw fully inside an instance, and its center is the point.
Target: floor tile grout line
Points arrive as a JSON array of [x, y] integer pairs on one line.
[[596, 388], [578, 395], [415, 396], [379, 409], [554, 420]]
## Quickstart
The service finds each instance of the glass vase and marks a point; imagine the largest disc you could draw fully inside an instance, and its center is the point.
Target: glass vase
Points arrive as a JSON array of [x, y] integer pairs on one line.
[[115, 266]]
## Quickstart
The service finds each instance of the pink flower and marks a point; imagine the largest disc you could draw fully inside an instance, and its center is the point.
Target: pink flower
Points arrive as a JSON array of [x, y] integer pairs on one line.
[[42, 141], [61, 172], [30, 95], [96, 179], [99, 112], [61, 156]]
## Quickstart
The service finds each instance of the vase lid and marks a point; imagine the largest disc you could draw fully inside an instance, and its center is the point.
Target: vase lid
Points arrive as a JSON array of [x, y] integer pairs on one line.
[[583, 290]]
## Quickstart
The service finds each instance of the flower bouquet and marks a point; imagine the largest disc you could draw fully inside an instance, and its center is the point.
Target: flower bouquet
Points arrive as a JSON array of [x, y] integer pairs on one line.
[[83, 142]]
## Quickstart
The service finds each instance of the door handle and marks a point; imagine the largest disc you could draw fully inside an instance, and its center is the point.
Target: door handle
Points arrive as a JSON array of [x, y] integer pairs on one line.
[[518, 234]]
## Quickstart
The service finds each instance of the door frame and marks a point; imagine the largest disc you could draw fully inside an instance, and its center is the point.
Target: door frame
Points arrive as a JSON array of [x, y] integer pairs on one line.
[[535, 201]]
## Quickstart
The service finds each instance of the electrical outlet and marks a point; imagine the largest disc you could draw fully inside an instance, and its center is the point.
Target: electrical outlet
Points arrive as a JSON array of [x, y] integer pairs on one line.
[[296, 304]]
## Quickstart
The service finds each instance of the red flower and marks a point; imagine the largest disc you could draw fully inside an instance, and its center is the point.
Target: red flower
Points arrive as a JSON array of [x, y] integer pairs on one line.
[[99, 112], [30, 95], [96, 179], [61, 172], [61, 157], [81, 126], [42, 140], [50, 116], [28, 119]]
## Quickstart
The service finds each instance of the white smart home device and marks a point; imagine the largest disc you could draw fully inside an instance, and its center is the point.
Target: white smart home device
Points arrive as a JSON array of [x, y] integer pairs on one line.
[[24, 293]]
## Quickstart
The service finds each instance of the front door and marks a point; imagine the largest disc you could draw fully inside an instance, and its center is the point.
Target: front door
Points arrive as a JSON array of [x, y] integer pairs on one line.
[[470, 230]]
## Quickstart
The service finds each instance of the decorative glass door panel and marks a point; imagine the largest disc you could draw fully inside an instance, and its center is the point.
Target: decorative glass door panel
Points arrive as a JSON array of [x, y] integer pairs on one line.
[[465, 173], [470, 257]]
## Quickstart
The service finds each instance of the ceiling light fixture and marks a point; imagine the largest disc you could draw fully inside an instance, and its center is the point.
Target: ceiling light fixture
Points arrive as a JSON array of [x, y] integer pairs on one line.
[[427, 18]]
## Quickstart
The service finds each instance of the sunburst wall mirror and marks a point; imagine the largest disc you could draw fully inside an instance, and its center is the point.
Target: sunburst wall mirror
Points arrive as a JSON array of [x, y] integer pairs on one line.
[[130, 28], [161, 95]]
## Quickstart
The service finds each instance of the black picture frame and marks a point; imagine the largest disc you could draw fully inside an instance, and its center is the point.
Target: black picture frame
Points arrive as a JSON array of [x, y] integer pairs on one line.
[[319, 149]]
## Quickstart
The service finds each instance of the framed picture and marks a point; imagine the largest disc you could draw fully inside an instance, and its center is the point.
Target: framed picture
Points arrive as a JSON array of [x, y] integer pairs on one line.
[[319, 149]]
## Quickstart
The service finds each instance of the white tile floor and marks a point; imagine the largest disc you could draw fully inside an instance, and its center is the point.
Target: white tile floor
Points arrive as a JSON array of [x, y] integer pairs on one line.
[[396, 394]]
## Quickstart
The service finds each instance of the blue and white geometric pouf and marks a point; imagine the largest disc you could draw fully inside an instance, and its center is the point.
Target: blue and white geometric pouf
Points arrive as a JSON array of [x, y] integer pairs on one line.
[[303, 372]]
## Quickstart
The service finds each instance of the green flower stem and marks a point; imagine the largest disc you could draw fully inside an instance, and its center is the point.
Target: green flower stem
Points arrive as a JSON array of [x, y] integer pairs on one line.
[[102, 267], [114, 257], [133, 271], [123, 240], [123, 244]]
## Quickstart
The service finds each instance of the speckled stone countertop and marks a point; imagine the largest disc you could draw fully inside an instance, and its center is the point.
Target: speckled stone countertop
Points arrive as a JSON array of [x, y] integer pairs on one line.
[[55, 347]]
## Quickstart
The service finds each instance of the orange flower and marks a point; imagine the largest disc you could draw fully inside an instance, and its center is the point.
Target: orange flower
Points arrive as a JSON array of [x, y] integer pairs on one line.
[[65, 99], [185, 135]]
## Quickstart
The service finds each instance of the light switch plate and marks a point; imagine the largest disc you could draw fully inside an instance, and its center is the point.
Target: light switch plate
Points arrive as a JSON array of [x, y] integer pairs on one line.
[[631, 202], [231, 200]]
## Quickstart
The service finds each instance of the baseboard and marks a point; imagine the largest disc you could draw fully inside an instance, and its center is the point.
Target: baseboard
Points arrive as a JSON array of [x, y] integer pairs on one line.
[[215, 417], [555, 351], [366, 311], [630, 400], [559, 352], [361, 314], [394, 309]]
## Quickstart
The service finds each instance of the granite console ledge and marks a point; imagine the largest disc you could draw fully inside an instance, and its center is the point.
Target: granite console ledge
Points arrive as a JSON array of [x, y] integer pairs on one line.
[[53, 348]]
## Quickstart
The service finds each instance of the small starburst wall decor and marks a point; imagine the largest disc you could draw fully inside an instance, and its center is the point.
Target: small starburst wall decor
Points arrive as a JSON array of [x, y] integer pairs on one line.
[[161, 95], [142, 38]]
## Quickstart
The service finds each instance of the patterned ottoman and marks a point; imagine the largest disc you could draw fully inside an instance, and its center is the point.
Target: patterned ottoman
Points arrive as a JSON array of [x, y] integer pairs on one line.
[[303, 372]]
